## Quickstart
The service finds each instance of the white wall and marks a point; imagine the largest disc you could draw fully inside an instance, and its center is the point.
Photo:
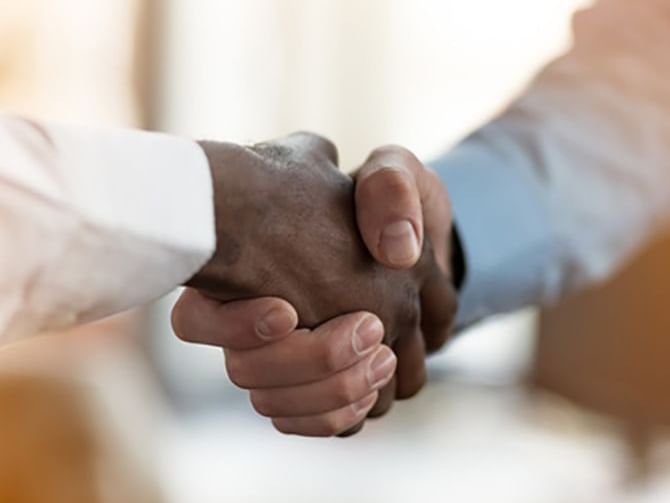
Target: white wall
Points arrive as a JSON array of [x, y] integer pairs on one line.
[[417, 72]]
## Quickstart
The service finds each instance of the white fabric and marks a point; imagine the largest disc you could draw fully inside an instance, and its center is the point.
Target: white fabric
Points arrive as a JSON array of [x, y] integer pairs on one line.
[[93, 222]]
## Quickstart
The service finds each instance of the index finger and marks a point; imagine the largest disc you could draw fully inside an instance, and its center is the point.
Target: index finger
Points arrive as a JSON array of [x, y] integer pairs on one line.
[[239, 325]]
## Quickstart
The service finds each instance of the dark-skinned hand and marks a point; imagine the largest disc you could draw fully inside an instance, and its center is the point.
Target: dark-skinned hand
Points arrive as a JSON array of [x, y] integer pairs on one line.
[[287, 231]]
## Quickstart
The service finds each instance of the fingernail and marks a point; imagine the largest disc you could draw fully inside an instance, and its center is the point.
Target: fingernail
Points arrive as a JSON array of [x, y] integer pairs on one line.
[[368, 334], [381, 368], [363, 405], [275, 323], [399, 243]]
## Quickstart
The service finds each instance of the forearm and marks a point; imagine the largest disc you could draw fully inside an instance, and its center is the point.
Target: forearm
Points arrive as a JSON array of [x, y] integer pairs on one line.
[[96, 222], [572, 178]]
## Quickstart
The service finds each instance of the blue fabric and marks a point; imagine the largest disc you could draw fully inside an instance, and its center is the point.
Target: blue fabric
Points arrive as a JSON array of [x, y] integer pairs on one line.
[[504, 229]]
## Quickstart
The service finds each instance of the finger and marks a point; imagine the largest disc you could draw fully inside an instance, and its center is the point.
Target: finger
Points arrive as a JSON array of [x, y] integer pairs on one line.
[[437, 213], [307, 356], [353, 430], [388, 206], [439, 306], [328, 424], [313, 143], [335, 392], [385, 400], [411, 373], [239, 325]]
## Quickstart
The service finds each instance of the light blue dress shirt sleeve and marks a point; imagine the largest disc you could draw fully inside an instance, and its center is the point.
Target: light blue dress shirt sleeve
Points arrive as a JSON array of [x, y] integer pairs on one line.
[[568, 183], [504, 229]]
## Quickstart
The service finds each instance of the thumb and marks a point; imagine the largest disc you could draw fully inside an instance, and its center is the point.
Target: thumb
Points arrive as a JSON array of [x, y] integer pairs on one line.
[[388, 206], [240, 325]]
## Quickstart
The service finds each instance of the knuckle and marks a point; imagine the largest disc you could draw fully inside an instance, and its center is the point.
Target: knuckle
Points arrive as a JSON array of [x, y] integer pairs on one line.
[[328, 148], [329, 359], [354, 430], [412, 388], [178, 324], [283, 427], [346, 392], [383, 405], [262, 403], [411, 161], [396, 182], [321, 145], [435, 342], [236, 371], [314, 137], [334, 424], [401, 154], [180, 321], [396, 185], [366, 191], [390, 149], [380, 410]]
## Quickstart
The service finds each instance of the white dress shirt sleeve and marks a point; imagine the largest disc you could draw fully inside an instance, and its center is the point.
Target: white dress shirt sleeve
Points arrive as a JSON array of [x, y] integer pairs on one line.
[[570, 181], [93, 222]]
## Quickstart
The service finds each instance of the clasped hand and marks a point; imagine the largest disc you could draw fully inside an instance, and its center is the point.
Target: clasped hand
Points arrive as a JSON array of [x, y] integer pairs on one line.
[[325, 291]]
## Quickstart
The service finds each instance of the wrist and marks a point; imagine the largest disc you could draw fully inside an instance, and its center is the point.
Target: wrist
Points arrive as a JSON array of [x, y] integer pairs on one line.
[[220, 166]]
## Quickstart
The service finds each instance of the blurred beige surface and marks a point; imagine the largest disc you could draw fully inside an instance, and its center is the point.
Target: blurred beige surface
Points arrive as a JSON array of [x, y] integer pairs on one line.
[[474, 435], [607, 349], [458, 441], [70, 60], [73, 406], [70, 403]]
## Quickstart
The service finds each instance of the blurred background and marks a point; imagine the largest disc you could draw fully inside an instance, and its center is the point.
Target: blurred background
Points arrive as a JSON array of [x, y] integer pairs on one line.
[[564, 406]]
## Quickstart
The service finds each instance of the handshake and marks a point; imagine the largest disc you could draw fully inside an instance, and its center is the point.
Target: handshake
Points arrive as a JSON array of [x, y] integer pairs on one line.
[[326, 291]]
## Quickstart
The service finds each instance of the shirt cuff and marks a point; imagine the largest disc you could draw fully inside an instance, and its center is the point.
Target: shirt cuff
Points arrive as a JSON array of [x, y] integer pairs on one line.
[[504, 229], [151, 186]]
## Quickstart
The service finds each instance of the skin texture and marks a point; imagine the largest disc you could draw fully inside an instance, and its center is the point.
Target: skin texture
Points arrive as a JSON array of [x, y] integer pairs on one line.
[[307, 381], [306, 369], [394, 186]]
